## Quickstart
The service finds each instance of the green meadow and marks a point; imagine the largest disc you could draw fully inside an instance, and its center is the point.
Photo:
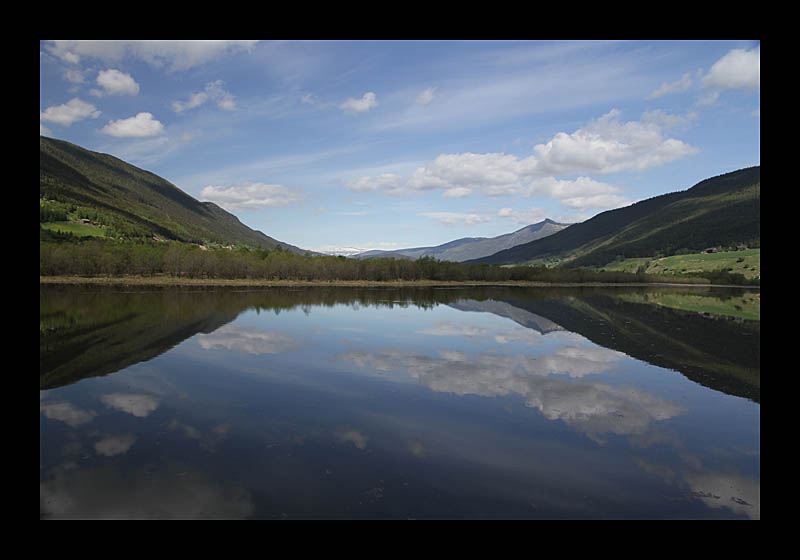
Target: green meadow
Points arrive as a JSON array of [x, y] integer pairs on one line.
[[77, 229], [746, 262]]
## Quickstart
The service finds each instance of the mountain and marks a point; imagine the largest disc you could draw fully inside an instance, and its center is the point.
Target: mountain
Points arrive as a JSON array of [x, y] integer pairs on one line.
[[720, 211], [136, 202], [468, 248]]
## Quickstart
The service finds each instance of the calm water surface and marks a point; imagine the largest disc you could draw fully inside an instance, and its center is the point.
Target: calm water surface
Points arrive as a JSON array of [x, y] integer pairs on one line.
[[346, 403]]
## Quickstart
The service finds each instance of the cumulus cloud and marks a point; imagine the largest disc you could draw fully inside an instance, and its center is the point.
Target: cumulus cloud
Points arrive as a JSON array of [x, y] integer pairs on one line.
[[589, 406], [115, 82], [245, 340], [368, 101], [607, 146], [68, 413], [212, 92], [143, 125], [72, 111], [467, 170], [136, 404], [582, 193], [251, 196], [115, 445], [737, 69], [604, 146]]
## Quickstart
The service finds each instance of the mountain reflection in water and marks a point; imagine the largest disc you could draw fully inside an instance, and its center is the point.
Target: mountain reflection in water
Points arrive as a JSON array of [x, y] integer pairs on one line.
[[481, 402]]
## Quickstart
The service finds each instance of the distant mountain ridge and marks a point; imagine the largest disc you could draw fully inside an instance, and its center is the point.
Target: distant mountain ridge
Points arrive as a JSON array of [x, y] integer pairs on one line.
[[719, 211], [137, 200], [467, 248]]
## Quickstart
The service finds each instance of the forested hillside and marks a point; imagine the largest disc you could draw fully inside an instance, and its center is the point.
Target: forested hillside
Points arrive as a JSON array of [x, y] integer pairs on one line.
[[129, 202], [720, 211]]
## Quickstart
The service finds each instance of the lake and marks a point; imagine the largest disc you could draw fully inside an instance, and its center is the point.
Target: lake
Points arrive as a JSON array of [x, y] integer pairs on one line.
[[399, 403]]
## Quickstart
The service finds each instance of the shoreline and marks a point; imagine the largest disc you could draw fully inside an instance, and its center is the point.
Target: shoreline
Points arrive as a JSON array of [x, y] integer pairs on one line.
[[169, 281]]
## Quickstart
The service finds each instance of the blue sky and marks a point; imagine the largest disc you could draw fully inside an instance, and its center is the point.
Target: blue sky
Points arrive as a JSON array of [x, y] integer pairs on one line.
[[388, 144]]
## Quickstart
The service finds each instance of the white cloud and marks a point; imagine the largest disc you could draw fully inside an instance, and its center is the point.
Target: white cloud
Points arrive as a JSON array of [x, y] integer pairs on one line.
[[737, 69], [115, 82], [679, 86], [592, 202], [143, 125], [172, 55], [195, 100], [668, 121], [582, 193], [457, 192], [244, 340], [384, 181], [368, 101], [72, 111], [251, 196], [214, 92], [74, 76], [136, 404], [456, 218], [467, 170], [524, 217], [604, 146], [68, 413], [591, 407], [115, 445], [426, 96]]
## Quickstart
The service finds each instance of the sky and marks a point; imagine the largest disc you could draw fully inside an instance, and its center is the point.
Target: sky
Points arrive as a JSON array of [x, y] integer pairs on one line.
[[338, 146]]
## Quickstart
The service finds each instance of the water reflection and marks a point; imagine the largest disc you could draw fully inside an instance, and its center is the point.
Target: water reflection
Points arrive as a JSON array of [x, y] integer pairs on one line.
[[397, 403], [590, 407]]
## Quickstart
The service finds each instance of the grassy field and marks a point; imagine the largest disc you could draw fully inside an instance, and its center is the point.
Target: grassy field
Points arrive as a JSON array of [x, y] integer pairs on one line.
[[747, 263], [76, 228]]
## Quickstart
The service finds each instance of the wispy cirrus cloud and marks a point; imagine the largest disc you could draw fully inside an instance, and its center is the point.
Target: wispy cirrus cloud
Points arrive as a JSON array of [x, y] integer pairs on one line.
[[456, 218], [170, 55]]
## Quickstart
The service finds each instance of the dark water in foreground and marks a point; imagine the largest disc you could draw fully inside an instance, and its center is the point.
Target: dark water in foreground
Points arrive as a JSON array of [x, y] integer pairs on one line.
[[349, 403]]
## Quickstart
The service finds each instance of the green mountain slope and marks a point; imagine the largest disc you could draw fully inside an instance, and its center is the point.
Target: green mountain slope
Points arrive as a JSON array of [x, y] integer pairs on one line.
[[135, 202], [723, 210]]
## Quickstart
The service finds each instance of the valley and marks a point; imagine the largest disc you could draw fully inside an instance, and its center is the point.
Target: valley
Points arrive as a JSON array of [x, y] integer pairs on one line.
[[100, 216]]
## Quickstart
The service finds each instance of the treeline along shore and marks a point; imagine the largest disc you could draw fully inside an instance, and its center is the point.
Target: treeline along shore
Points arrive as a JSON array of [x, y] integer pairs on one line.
[[102, 258]]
